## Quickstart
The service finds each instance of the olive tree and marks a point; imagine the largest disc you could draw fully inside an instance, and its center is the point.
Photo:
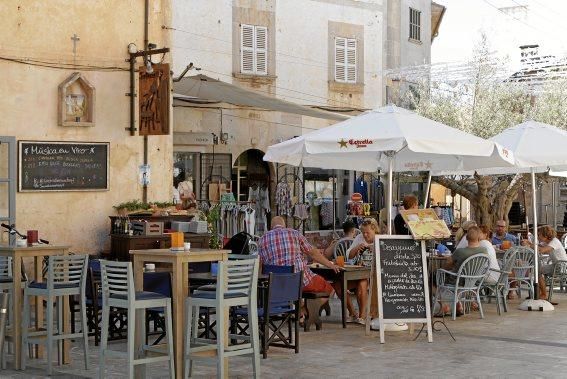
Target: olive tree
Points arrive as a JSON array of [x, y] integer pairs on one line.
[[484, 103]]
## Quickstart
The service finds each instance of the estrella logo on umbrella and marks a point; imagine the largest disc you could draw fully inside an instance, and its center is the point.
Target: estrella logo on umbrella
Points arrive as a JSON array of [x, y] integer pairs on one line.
[[359, 143]]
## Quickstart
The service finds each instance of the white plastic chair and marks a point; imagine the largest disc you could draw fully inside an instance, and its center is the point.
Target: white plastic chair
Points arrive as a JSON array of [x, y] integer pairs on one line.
[[468, 281], [499, 290], [523, 267], [236, 286], [342, 246]]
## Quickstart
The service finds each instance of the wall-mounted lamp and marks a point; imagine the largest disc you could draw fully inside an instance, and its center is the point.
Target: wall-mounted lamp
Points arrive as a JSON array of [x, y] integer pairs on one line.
[[132, 48], [189, 67]]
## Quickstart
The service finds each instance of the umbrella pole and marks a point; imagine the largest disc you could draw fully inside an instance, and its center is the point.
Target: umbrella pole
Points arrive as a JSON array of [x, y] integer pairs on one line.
[[390, 191], [334, 203], [535, 304], [536, 260], [427, 190]]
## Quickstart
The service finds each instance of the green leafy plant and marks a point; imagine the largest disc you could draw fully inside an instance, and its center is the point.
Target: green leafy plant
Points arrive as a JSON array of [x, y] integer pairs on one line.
[[162, 204], [212, 217], [132, 205]]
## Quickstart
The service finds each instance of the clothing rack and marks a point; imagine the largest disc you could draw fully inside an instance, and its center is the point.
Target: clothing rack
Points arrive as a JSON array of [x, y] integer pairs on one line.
[[296, 177], [298, 185]]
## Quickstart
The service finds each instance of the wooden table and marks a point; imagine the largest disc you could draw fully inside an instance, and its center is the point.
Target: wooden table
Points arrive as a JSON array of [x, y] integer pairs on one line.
[[345, 275], [37, 252], [180, 291]]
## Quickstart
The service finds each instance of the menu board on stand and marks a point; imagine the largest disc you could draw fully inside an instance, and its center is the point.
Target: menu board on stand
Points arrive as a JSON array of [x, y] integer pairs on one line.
[[403, 292]]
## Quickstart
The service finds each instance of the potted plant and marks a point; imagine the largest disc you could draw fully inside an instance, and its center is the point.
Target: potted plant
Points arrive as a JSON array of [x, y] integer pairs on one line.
[[129, 207]]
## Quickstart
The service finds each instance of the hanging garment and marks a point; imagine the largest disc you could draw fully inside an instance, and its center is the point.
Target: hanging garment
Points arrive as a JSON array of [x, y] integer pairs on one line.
[[361, 187], [314, 213], [327, 214], [250, 221], [301, 212], [263, 209], [283, 199], [214, 192], [378, 198], [254, 196]]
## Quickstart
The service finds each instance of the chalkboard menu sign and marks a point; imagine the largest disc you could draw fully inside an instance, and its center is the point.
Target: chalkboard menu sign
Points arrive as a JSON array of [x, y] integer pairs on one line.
[[63, 166], [403, 292]]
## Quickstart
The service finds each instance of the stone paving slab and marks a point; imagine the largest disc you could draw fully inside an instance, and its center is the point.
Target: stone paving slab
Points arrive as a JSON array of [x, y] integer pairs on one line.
[[518, 344]]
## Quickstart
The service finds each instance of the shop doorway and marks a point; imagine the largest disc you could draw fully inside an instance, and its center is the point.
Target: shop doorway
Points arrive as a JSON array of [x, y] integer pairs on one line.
[[249, 171]]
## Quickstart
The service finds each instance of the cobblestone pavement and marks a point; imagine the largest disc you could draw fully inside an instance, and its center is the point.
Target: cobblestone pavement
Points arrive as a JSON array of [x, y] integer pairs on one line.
[[518, 344]]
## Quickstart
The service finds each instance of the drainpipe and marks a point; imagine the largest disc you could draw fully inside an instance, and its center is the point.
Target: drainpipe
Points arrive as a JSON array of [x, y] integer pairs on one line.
[[146, 38]]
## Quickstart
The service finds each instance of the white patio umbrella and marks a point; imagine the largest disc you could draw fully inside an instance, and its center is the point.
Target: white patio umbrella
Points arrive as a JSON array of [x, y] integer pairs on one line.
[[537, 147], [390, 139]]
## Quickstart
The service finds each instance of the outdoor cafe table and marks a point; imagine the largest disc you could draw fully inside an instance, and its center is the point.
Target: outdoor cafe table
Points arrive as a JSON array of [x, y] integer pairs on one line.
[[345, 275], [180, 291], [37, 253]]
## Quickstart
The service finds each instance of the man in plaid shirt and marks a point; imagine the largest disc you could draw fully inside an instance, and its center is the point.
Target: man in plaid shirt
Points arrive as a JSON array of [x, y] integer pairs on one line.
[[282, 246]]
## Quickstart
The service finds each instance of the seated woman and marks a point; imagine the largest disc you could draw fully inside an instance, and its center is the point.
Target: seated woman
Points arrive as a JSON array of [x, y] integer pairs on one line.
[[549, 244], [362, 252], [349, 230], [485, 241]]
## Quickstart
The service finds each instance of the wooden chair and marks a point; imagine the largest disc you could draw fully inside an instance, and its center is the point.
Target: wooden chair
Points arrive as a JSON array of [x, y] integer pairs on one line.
[[236, 286], [66, 276], [118, 291], [280, 308]]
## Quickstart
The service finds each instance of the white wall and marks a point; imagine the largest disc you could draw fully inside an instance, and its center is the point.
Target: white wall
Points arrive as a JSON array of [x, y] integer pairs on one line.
[[203, 35], [413, 53]]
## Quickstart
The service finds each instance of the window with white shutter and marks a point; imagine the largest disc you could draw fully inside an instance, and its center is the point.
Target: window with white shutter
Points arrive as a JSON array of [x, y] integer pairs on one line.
[[345, 60], [253, 49], [261, 50]]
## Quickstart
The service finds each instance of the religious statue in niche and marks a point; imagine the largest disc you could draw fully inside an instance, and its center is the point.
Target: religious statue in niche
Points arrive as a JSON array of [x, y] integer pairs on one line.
[[154, 100], [76, 106], [76, 101]]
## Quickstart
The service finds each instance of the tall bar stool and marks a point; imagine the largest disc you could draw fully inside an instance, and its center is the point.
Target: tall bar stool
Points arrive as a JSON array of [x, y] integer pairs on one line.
[[237, 282], [3, 316], [7, 284], [118, 292], [66, 276]]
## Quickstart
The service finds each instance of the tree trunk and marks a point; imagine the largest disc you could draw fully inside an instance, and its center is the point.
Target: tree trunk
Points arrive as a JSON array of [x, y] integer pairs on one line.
[[491, 197]]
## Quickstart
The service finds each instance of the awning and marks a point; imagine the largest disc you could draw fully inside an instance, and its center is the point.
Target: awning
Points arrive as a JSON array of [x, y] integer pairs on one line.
[[206, 88], [437, 13]]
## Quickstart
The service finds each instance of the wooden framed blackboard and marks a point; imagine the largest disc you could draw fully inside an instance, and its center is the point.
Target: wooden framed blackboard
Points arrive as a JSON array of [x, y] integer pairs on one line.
[[63, 166], [403, 290]]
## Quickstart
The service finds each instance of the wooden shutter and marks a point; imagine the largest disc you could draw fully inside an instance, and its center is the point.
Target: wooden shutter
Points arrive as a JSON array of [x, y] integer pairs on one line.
[[261, 50], [345, 60], [351, 61], [247, 49], [340, 59]]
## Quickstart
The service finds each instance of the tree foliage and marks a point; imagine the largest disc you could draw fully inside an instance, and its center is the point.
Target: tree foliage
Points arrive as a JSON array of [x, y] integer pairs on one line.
[[484, 103]]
